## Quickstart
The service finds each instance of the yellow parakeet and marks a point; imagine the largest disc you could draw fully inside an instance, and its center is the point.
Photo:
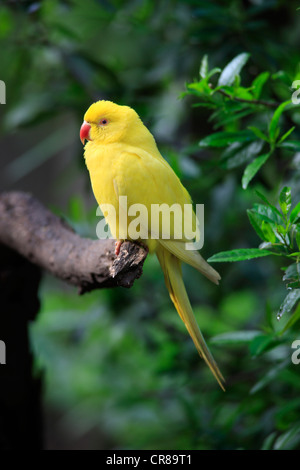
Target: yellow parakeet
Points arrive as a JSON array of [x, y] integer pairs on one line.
[[123, 160]]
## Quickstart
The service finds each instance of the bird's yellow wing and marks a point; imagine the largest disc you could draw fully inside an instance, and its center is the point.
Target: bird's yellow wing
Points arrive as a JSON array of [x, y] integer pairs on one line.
[[150, 181]]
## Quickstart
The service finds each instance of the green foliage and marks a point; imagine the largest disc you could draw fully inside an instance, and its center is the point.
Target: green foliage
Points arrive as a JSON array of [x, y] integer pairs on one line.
[[238, 255], [255, 126], [120, 370], [278, 230], [233, 103]]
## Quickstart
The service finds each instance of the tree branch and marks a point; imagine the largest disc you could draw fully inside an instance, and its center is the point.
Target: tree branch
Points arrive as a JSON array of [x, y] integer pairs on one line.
[[29, 228], [269, 104]]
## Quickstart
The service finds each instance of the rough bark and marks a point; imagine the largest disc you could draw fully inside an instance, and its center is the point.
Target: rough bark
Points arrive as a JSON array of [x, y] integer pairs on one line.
[[27, 227]]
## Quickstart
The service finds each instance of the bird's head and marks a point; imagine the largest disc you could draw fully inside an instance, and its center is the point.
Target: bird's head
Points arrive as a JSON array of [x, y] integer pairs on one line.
[[106, 122]]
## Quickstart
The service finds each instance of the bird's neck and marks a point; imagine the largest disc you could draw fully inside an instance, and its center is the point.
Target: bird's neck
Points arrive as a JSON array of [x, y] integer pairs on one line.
[[139, 137]]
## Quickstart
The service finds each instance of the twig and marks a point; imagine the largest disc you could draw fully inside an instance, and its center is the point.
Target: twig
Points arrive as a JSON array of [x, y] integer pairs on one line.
[[269, 104]]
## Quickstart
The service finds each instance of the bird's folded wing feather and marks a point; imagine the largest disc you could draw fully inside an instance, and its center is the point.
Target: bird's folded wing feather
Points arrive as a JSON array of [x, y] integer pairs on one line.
[[149, 180]]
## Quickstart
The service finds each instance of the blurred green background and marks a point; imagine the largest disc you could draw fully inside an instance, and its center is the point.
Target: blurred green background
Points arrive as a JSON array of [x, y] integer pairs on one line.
[[120, 371]]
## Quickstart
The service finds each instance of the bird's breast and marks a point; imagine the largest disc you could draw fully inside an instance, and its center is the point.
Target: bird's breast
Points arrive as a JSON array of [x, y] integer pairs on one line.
[[102, 163]]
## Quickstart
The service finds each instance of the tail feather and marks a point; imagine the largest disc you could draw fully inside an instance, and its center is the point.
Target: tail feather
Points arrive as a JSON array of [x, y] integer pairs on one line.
[[191, 257], [171, 267]]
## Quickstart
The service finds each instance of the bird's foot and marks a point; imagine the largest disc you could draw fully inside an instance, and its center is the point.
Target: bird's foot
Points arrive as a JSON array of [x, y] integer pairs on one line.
[[118, 247]]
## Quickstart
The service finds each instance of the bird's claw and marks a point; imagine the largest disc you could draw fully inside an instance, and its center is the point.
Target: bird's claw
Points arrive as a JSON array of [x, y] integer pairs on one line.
[[118, 247]]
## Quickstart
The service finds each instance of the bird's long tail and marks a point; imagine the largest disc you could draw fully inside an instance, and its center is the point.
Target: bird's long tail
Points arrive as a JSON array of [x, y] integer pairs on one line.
[[171, 267]]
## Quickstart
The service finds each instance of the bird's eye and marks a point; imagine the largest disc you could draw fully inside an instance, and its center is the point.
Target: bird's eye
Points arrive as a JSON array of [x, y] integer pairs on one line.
[[103, 122]]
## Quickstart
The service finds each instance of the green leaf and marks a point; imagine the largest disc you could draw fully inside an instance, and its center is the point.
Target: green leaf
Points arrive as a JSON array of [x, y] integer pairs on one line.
[[292, 273], [204, 67], [76, 209], [256, 222], [285, 199], [258, 83], [263, 198], [221, 139], [236, 84], [288, 303], [242, 93], [273, 128], [240, 254], [232, 69], [295, 214], [292, 145], [283, 76], [268, 442], [268, 232], [269, 316], [281, 233], [267, 213], [285, 136], [213, 72], [260, 344], [297, 233], [235, 116], [253, 168], [235, 337], [289, 439], [258, 133], [238, 154], [200, 89], [205, 104], [294, 318]]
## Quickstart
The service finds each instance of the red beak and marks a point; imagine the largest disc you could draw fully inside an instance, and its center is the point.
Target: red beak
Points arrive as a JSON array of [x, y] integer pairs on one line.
[[85, 132]]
